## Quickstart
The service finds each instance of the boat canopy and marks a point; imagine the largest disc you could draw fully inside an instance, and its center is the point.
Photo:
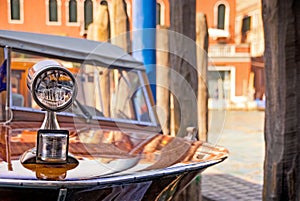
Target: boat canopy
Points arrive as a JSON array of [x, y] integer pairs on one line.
[[69, 48]]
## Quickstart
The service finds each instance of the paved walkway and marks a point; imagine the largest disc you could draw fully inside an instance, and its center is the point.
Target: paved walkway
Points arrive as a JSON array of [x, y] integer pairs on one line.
[[240, 177], [218, 187]]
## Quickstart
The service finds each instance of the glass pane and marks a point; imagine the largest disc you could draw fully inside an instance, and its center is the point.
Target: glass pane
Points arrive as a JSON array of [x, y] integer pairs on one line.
[[15, 9], [17, 97], [72, 11], [53, 11], [221, 16], [112, 93], [20, 63]]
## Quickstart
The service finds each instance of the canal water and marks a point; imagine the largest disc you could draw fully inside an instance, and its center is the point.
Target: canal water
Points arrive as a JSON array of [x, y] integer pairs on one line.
[[242, 133]]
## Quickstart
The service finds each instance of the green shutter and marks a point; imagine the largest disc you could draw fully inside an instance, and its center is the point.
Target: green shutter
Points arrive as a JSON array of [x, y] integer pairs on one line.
[[15, 9], [221, 16], [246, 24], [88, 13], [53, 17], [72, 11], [158, 12]]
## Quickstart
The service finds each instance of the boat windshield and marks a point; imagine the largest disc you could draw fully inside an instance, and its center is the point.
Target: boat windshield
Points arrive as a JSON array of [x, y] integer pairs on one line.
[[103, 92]]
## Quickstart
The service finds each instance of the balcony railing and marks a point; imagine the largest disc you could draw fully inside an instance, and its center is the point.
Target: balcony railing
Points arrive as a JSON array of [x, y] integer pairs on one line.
[[228, 50]]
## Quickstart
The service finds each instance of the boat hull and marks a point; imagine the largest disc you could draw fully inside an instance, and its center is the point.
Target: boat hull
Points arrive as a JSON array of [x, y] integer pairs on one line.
[[155, 188]]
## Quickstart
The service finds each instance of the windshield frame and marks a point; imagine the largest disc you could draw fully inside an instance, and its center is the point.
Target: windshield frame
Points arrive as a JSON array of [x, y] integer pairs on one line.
[[141, 75]]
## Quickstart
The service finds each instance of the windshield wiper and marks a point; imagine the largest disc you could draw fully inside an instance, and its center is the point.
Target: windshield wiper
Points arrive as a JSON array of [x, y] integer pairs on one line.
[[85, 113]]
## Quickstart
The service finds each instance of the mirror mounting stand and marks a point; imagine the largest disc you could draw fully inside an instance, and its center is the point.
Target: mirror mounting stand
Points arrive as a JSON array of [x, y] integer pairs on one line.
[[54, 89], [50, 121]]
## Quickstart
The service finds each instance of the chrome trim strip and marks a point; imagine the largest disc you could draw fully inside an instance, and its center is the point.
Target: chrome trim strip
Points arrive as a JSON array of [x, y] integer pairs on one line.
[[110, 180]]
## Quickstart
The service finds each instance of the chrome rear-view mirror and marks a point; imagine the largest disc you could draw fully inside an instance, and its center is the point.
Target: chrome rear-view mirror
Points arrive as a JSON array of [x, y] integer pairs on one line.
[[54, 89]]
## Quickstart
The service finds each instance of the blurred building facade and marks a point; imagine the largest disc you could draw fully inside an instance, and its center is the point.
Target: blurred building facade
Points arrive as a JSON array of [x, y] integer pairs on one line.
[[249, 27], [236, 69], [62, 17], [236, 46]]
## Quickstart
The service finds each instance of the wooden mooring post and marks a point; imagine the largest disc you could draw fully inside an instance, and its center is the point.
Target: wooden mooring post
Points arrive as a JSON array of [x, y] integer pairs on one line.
[[282, 117], [183, 60]]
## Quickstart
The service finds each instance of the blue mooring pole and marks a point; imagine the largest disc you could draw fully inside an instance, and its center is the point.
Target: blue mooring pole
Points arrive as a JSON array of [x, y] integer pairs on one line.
[[144, 37]]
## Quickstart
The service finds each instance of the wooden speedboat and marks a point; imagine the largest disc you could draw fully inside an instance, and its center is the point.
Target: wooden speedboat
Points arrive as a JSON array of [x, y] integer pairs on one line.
[[114, 147]]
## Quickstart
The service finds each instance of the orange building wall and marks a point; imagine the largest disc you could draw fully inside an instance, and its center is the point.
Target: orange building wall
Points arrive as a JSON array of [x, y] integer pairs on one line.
[[207, 7], [35, 19], [242, 71]]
